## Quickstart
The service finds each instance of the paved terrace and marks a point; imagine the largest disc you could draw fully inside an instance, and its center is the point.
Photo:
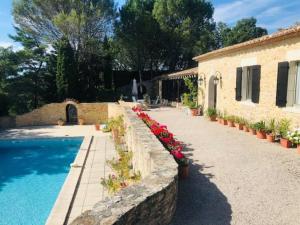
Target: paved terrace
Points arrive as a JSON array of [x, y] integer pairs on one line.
[[90, 190], [234, 177]]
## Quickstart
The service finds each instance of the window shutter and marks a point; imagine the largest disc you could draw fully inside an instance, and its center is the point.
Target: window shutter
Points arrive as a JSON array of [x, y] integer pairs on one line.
[[255, 83], [238, 86], [290, 98], [282, 83]]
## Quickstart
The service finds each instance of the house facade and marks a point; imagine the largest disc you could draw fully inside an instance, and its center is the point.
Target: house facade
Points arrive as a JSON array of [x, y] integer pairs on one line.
[[257, 79]]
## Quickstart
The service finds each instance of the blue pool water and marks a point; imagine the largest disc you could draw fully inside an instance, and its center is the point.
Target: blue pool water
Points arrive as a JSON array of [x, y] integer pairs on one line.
[[32, 173]]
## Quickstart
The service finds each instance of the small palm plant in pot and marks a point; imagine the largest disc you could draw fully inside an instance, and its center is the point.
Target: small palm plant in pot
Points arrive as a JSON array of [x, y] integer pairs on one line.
[[239, 123], [283, 130], [220, 117], [294, 137], [246, 125], [260, 128], [271, 130], [224, 120], [211, 113], [230, 121], [252, 128]]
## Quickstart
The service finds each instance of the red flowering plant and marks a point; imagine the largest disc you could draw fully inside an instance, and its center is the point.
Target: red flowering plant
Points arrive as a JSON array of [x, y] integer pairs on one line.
[[166, 138]]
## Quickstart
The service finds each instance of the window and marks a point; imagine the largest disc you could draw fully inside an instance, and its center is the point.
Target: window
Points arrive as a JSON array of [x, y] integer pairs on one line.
[[297, 92], [248, 83], [288, 84]]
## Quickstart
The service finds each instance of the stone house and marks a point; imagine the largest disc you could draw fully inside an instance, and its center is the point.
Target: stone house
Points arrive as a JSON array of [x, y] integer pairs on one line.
[[257, 79]]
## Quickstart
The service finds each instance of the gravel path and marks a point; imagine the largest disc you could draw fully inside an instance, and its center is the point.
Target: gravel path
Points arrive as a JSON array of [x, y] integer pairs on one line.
[[235, 178]]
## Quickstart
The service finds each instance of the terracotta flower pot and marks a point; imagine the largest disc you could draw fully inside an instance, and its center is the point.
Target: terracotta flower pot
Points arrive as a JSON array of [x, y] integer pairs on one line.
[[239, 126], [298, 149], [194, 112], [183, 172], [60, 123], [97, 126], [271, 137], [81, 121], [245, 128], [261, 135], [230, 123], [285, 143], [252, 131], [219, 120], [212, 118], [224, 122]]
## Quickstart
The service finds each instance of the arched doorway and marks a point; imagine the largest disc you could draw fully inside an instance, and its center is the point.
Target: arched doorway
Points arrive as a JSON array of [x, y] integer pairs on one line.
[[212, 93], [71, 112]]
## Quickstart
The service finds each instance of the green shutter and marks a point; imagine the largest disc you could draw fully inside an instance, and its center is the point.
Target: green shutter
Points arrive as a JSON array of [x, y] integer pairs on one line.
[[238, 86], [255, 71], [282, 83]]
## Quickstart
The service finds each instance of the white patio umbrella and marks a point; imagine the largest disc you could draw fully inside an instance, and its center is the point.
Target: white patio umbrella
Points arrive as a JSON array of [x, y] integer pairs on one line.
[[134, 88]]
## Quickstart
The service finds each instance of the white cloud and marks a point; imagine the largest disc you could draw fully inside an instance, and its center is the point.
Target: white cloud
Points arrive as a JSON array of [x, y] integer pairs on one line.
[[6, 44], [233, 11], [271, 14]]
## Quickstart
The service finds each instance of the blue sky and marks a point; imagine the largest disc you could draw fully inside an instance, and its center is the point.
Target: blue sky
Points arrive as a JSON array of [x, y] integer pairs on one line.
[[271, 14]]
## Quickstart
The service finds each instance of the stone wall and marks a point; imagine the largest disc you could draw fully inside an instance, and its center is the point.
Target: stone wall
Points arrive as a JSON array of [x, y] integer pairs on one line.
[[268, 56], [151, 201], [7, 122], [48, 114]]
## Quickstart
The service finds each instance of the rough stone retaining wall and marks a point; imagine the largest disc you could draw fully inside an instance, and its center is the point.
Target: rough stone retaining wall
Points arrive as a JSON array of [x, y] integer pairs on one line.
[[149, 202]]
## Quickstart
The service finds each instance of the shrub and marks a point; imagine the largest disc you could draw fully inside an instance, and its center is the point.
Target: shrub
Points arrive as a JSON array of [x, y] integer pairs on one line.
[[271, 127], [294, 137], [283, 127], [211, 112], [260, 126]]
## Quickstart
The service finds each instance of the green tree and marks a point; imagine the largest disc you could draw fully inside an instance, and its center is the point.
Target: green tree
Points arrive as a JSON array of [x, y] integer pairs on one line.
[[85, 24], [66, 79], [244, 30], [28, 84], [9, 62], [138, 37], [188, 27]]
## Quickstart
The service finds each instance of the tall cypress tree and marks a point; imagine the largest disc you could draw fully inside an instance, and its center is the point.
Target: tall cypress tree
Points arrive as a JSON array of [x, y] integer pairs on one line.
[[66, 76]]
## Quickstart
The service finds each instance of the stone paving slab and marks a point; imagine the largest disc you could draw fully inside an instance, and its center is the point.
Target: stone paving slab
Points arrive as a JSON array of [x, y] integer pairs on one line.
[[235, 178], [90, 190]]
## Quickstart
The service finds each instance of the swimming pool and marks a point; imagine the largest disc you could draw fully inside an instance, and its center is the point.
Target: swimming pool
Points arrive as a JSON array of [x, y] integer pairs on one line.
[[32, 172]]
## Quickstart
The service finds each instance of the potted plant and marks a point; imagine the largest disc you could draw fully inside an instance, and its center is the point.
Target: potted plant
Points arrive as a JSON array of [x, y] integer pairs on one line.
[[230, 121], [271, 130], [191, 99], [246, 126], [220, 117], [183, 167], [60, 122], [81, 121], [211, 113], [239, 123], [193, 108], [283, 129], [252, 128], [294, 137], [97, 126], [224, 120], [260, 128]]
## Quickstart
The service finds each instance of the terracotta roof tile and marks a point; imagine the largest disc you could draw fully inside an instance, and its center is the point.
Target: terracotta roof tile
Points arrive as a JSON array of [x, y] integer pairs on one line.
[[267, 39]]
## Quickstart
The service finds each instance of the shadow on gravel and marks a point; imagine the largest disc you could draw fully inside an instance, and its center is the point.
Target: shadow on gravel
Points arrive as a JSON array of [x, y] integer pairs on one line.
[[200, 202]]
